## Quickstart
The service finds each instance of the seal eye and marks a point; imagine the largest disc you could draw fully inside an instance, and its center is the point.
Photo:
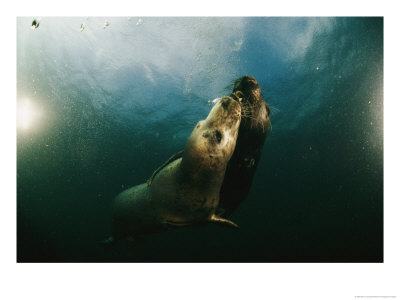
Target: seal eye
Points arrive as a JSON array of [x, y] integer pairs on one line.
[[218, 135]]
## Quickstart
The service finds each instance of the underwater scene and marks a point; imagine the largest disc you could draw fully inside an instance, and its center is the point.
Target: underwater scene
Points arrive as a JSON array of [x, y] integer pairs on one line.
[[104, 102]]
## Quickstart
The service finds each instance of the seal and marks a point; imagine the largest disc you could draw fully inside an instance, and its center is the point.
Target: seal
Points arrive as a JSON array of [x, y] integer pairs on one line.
[[185, 190], [254, 128]]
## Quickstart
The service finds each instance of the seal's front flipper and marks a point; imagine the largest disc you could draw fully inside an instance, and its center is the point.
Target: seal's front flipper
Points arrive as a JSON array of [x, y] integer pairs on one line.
[[170, 225], [171, 159], [219, 220]]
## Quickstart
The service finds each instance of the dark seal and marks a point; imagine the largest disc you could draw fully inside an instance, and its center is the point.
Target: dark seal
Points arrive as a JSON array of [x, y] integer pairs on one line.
[[254, 128]]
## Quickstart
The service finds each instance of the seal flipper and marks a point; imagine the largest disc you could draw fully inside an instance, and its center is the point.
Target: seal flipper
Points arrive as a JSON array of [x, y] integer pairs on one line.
[[107, 243], [171, 159], [170, 225], [219, 220]]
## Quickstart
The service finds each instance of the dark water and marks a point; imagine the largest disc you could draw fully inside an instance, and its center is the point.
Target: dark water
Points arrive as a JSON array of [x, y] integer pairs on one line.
[[112, 104]]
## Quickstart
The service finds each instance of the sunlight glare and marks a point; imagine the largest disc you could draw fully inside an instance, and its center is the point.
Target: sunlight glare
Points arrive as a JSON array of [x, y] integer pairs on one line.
[[27, 114]]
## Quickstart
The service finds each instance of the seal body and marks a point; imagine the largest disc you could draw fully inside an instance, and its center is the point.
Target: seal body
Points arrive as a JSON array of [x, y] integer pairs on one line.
[[185, 190], [254, 128]]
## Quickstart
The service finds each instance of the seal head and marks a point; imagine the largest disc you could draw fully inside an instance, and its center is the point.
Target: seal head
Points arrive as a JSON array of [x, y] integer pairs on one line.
[[213, 141]]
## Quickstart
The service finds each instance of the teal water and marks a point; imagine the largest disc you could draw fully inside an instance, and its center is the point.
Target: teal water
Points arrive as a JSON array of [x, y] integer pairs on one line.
[[100, 109]]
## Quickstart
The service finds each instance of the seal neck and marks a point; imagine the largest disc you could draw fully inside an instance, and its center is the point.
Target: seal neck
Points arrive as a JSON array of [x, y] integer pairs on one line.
[[201, 172]]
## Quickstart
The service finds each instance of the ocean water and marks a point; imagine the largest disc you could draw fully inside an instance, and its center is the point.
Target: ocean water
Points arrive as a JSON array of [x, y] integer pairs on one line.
[[100, 109]]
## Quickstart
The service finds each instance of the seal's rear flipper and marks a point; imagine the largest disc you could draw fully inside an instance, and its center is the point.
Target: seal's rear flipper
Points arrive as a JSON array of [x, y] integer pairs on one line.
[[107, 243], [219, 220]]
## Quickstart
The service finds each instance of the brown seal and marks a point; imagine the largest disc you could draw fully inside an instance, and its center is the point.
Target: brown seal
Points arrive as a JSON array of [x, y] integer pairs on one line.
[[185, 190]]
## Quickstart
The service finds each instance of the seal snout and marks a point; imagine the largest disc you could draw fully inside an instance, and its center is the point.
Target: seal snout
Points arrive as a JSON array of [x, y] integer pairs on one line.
[[246, 81], [230, 106]]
